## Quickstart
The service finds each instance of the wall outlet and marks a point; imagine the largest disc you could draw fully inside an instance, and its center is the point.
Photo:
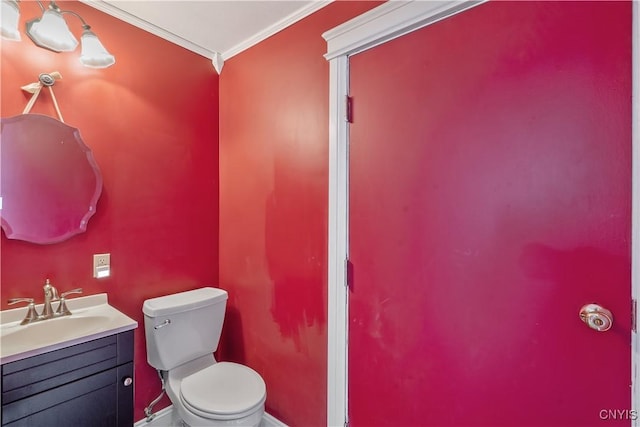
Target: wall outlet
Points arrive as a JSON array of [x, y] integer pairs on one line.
[[101, 265]]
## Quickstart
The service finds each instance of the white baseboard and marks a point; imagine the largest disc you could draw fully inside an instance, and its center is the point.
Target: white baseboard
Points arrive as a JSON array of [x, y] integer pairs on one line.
[[164, 418], [271, 421]]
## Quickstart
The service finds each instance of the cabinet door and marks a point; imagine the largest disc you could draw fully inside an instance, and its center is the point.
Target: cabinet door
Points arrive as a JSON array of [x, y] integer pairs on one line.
[[82, 385], [104, 399], [91, 401], [125, 395]]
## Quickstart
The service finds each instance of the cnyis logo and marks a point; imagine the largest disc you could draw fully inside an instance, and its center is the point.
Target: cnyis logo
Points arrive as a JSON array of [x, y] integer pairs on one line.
[[618, 414]]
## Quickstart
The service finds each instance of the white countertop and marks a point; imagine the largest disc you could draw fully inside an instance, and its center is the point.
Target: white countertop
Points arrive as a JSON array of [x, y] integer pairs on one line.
[[92, 318]]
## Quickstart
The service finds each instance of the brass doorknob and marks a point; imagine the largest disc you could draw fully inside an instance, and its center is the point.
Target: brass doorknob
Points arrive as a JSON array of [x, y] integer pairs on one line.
[[596, 317]]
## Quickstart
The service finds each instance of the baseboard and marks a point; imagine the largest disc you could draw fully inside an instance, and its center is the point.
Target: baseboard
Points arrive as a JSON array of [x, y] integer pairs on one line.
[[164, 418], [271, 421]]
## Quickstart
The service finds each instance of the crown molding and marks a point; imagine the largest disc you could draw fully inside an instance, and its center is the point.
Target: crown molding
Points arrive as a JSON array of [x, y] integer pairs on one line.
[[111, 9], [276, 28], [116, 12]]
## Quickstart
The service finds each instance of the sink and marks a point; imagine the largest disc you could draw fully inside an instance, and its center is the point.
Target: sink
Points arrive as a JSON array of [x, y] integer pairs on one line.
[[49, 331], [92, 318]]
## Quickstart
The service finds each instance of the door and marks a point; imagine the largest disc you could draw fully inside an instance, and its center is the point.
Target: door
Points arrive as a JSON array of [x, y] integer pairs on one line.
[[489, 200]]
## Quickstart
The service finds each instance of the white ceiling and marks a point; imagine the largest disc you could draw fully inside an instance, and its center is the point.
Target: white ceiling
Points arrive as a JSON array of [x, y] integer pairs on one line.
[[216, 29]]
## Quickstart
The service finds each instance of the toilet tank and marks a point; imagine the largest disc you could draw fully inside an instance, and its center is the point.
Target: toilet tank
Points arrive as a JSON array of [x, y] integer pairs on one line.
[[183, 326]]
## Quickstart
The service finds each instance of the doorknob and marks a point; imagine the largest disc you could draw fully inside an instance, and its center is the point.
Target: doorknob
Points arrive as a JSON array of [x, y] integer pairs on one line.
[[596, 317]]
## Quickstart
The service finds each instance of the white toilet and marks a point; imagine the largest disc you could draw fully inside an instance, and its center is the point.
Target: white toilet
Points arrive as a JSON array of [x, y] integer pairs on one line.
[[182, 332]]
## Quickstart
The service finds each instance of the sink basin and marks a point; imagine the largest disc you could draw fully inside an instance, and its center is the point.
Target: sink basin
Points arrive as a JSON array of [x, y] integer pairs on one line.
[[48, 331], [92, 317]]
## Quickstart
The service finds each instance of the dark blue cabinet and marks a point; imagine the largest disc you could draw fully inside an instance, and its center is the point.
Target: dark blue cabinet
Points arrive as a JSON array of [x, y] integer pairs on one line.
[[88, 384]]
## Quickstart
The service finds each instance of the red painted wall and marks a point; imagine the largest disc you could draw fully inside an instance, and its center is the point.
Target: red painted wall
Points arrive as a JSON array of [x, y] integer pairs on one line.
[[274, 137], [152, 123]]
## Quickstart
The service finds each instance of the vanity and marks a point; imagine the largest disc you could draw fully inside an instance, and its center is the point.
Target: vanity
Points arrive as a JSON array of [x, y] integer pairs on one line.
[[75, 370]]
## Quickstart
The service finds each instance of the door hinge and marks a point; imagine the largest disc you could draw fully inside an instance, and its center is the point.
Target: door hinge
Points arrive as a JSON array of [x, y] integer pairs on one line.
[[346, 423], [348, 272], [634, 315], [348, 109]]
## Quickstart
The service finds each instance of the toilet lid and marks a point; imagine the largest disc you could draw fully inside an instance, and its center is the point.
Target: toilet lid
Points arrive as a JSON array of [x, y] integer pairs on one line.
[[223, 389]]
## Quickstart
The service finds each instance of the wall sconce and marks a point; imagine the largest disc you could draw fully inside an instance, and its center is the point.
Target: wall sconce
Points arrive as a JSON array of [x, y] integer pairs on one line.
[[51, 32]]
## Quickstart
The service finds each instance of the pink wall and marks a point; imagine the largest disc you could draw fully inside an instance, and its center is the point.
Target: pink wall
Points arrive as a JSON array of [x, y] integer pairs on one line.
[[274, 117], [152, 123]]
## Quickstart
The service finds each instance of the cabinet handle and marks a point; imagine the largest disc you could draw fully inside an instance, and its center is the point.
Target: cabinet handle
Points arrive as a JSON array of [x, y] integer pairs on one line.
[[127, 381]]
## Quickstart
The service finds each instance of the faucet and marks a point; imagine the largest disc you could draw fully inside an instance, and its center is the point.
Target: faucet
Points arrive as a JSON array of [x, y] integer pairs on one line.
[[50, 295]]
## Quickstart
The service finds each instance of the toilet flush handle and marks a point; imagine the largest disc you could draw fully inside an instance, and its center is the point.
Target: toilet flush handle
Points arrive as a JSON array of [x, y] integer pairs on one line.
[[163, 324]]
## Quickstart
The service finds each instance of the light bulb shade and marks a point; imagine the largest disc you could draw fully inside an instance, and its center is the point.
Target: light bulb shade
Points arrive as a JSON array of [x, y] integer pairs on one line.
[[10, 16], [94, 54], [52, 32]]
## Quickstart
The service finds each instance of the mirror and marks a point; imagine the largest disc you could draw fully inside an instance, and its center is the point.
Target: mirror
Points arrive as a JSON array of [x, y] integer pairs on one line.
[[49, 180]]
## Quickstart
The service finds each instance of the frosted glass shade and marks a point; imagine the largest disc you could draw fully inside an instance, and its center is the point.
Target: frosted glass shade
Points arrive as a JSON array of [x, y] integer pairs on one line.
[[10, 16], [52, 32], [94, 54]]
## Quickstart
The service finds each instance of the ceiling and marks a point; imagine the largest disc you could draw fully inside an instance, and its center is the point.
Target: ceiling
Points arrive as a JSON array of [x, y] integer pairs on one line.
[[216, 29]]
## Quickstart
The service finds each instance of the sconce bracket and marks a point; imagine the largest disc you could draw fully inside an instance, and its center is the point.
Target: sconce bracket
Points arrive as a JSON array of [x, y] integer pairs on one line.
[[46, 79]]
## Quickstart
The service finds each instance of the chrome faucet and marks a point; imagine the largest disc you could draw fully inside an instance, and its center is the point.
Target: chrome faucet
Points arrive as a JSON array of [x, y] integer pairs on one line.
[[50, 295]]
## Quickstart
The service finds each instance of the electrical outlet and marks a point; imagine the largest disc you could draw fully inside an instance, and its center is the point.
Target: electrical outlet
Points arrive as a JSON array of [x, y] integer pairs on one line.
[[101, 265]]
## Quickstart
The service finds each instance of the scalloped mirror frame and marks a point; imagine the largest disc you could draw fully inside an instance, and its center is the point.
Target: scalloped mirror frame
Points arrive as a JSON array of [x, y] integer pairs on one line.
[[50, 182]]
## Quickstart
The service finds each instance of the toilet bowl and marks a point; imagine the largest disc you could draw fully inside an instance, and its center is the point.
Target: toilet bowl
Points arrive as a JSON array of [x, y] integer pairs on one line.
[[206, 393], [182, 332]]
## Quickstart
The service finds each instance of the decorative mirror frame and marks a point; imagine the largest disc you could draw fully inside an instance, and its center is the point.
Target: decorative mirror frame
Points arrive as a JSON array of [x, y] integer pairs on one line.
[[25, 231]]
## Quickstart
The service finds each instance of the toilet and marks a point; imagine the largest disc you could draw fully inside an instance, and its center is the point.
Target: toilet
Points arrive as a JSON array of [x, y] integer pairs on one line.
[[182, 332]]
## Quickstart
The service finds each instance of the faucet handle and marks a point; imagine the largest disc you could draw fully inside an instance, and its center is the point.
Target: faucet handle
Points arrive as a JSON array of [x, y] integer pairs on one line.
[[31, 315], [12, 301], [72, 291], [62, 308]]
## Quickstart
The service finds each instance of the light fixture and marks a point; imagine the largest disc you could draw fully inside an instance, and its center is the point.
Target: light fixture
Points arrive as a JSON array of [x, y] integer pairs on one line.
[[94, 54], [51, 32], [10, 16]]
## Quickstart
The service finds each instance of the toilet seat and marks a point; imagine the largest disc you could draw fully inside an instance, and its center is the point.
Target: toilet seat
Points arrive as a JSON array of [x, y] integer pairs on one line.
[[223, 391]]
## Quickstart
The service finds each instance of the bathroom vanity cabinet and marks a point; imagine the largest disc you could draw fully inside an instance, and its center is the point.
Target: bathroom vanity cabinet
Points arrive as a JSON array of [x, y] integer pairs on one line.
[[88, 384]]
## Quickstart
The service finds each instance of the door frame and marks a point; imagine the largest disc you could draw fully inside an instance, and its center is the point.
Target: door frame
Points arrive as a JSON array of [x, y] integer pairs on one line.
[[379, 25]]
